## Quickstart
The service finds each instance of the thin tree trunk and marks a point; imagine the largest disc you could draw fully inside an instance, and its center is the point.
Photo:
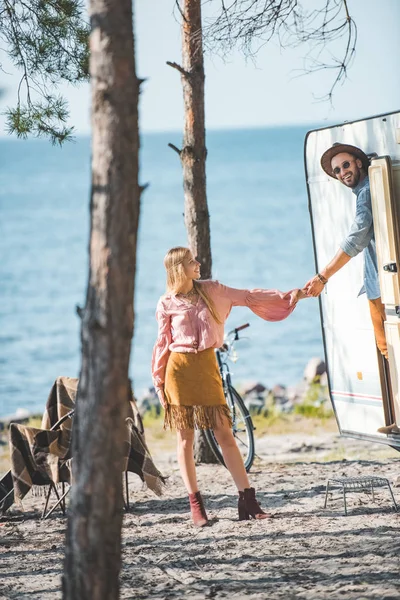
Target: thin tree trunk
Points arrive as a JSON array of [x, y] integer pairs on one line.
[[93, 552], [193, 158], [194, 152]]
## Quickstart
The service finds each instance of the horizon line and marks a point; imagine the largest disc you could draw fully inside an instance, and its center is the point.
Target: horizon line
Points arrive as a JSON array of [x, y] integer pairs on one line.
[[87, 134]]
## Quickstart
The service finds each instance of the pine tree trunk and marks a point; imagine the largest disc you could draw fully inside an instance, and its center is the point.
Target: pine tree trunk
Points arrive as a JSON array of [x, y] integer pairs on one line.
[[194, 152], [193, 157], [93, 551]]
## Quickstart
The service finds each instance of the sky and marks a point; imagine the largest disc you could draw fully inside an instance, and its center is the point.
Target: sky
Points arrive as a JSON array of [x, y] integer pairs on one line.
[[244, 94]]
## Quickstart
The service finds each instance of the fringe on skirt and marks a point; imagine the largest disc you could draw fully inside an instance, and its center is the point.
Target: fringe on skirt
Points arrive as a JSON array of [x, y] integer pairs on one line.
[[196, 417]]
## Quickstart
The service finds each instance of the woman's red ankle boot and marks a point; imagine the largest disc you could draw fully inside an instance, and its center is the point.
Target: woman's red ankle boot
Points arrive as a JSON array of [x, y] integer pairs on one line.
[[249, 507], [199, 515]]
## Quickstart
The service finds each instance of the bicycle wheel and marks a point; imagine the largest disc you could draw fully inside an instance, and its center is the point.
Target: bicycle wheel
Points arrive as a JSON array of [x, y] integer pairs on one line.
[[242, 427]]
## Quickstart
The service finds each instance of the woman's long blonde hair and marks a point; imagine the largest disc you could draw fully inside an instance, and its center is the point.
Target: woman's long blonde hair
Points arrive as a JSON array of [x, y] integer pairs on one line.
[[173, 263]]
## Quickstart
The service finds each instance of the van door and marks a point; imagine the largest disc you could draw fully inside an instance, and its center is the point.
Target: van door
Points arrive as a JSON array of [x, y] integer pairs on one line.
[[355, 376], [385, 196]]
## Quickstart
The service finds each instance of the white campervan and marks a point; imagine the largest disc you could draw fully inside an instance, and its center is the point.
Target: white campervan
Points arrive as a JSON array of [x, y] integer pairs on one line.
[[364, 389]]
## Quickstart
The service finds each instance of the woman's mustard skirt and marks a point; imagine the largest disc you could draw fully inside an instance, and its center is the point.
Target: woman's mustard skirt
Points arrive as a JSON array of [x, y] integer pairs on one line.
[[193, 391]]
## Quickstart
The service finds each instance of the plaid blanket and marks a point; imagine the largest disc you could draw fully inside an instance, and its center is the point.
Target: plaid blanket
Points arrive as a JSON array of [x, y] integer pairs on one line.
[[41, 456]]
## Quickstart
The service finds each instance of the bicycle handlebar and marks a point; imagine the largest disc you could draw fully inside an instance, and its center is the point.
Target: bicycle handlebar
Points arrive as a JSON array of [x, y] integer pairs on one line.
[[226, 346], [237, 329]]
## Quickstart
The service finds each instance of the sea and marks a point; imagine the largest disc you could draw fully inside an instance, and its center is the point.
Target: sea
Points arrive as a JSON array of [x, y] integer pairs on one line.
[[260, 236]]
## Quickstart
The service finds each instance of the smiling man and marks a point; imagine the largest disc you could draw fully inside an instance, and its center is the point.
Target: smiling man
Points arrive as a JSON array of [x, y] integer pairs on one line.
[[349, 165]]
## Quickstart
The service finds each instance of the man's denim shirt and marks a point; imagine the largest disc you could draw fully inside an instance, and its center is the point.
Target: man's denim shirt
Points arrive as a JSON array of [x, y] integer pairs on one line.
[[361, 237]]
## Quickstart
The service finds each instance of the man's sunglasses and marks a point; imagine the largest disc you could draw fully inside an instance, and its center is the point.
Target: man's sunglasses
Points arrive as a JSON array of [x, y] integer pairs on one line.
[[345, 165]]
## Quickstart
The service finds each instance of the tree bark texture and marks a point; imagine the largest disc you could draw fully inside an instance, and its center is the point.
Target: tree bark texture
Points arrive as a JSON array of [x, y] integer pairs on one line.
[[193, 154], [93, 549], [193, 157]]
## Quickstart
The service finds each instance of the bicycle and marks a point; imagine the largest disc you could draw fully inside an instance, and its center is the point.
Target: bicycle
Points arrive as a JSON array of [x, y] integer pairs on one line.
[[242, 424]]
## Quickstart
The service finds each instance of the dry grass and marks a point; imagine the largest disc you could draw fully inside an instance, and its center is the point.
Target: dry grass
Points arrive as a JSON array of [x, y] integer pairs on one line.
[[4, 461], [276, 424], [156, 435], [293, 423], [368, 451]]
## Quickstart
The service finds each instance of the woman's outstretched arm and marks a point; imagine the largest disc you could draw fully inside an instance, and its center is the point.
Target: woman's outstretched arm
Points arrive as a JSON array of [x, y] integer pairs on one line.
[[271, 305]]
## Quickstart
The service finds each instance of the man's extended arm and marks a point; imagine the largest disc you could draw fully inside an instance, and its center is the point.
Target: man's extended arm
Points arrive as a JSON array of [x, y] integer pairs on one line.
[[314, 286], [360, 235]]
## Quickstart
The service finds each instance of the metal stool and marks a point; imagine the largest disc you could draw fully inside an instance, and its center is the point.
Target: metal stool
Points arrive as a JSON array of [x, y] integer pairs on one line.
[[358, 484]]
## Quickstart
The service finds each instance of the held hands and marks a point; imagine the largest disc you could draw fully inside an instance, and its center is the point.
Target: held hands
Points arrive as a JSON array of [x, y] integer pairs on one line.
[[296, 295], [314, 287]]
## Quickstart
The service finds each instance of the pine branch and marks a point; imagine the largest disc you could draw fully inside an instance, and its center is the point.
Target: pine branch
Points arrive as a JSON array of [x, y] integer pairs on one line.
[[48, 41], [179, 152], [181, 70]]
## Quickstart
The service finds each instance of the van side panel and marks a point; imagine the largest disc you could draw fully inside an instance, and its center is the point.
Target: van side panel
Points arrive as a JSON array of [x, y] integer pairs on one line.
[[351, 354]]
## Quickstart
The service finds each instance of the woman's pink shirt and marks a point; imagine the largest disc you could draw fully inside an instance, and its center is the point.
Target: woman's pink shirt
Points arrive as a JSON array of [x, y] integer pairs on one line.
[[185, 327]]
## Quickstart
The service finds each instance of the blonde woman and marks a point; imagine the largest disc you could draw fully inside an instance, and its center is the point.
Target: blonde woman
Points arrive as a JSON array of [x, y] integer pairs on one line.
[[191, 317]]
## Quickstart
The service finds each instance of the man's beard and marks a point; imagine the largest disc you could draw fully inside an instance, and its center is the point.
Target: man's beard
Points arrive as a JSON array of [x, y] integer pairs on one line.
[[356, 179]]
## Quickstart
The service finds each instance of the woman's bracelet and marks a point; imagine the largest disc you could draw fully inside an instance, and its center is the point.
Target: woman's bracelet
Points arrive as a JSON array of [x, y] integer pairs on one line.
[[322, 278]]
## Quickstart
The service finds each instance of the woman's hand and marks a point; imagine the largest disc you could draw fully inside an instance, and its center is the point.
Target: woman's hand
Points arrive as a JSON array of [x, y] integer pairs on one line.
[[296, 295], [161, 397]]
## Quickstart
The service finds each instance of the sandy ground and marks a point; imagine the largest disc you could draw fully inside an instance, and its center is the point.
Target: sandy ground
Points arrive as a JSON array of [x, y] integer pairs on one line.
[[304, 552]]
